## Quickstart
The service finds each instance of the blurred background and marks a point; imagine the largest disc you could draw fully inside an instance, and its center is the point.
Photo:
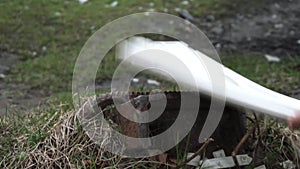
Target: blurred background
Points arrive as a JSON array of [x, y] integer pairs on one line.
[[40, 41]]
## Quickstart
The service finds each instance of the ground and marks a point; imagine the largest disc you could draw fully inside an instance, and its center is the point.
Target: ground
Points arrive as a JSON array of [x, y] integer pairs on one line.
[[262, 28], [40, 41]]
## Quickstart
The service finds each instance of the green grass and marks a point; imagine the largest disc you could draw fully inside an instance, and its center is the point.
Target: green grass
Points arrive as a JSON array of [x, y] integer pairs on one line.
[[49, 34], [281, 76]]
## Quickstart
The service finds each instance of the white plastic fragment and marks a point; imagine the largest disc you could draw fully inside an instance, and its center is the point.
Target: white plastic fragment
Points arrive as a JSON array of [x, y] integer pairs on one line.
[[298, 41], [222, 162], [82, 1], [185, 2], [34, 53], [135, 80], [153, 82], [260, 167], [57, 14], [288, 164], [114, 4], [271, 58], [226, 162], [195, 161], [2, 76], [219, 153]]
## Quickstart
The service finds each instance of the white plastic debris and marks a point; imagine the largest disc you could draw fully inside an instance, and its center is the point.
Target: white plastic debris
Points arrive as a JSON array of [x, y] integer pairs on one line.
[[238, 89], [261, 167], [185, 2], [271, 58], [114, 4], [226, 162], [34, 53], [153, 82], [298, 41], [219, 153], [195, 161], [2, 76], [221, 162], [135, 80], [58, 14], [82, 1], [288, 164]]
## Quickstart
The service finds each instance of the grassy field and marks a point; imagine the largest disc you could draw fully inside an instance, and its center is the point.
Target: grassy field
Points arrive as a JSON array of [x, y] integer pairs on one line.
[[48, 35]]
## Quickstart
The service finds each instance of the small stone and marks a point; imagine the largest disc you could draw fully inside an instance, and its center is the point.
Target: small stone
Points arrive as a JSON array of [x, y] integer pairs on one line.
[[277, 5], [278, 26], [186, 15], [218, 46], [217, 30], [210, 18], [292, 32]]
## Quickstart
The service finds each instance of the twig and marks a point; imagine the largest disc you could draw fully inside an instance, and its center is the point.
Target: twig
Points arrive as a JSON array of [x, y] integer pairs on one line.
[[201, 149], [237, 148]]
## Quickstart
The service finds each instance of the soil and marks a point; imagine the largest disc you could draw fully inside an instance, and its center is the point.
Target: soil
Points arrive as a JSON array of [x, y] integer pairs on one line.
[[16, 96], [271, 27]]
